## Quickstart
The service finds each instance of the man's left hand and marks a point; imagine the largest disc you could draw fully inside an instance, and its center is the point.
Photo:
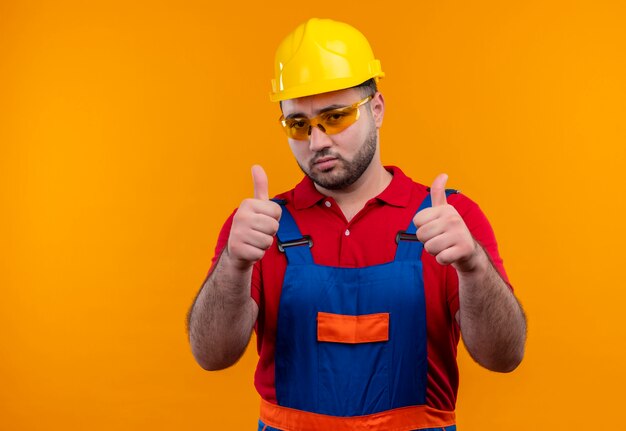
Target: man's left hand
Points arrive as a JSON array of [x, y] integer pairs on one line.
[[444, 233]]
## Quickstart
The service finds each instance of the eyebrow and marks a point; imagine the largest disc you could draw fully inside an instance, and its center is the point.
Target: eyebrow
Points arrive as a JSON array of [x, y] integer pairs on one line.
[[321, 111]]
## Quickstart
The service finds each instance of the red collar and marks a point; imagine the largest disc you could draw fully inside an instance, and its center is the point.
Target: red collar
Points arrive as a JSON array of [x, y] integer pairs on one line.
[[397, 193]]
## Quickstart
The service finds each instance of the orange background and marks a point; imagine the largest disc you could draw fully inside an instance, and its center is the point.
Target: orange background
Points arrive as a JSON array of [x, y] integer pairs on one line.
[[127, 132]]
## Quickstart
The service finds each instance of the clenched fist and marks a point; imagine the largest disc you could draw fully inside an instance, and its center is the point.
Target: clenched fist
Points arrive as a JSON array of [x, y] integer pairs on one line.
[[254, 225], [444, 233]]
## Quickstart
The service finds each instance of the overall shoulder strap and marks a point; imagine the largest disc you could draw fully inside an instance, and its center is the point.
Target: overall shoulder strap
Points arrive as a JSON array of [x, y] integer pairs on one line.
[[290, 240], [409, 247]]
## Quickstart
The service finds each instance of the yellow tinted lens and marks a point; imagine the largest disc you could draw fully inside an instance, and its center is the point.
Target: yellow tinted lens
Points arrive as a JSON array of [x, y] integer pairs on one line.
[[297, 128], [337, 120]]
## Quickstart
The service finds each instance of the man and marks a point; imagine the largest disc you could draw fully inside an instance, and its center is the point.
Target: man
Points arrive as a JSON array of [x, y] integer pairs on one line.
[[357, 316]]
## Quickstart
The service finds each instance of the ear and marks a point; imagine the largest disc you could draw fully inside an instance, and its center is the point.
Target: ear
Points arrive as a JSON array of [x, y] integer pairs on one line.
[[377, 105]]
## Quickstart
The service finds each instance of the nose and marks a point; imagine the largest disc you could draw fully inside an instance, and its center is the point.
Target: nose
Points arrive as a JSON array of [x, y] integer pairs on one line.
[[318, 140]]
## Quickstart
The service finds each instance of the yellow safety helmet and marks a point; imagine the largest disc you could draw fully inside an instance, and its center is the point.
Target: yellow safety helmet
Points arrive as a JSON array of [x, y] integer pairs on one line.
[[319, 56]]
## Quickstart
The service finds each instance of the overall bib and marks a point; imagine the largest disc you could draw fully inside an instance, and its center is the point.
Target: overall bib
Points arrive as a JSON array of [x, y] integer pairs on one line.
[[351, 350]]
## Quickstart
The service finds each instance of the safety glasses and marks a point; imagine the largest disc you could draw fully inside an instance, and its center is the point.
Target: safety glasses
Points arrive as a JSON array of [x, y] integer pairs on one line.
[[330, 122]]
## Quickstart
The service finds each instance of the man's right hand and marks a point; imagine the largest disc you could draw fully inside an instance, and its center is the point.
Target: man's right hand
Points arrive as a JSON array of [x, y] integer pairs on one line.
[[254, 225]]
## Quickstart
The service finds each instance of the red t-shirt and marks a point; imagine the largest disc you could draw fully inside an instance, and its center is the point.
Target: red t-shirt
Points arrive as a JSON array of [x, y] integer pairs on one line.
[[369, 239]]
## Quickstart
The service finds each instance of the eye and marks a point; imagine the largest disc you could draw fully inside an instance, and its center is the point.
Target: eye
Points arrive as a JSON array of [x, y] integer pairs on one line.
[[297, 124], [333, 116]]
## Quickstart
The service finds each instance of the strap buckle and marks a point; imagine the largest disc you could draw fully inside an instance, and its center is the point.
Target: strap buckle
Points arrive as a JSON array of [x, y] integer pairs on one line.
[[306, 239], [405, 236]]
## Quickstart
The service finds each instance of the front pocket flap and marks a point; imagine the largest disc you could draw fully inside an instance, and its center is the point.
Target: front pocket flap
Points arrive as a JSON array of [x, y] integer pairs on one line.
[[342, 328]]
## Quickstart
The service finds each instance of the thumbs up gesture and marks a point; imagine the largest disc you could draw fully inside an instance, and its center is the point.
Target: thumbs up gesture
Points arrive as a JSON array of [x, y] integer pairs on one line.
[[443, 231], [254, 225]]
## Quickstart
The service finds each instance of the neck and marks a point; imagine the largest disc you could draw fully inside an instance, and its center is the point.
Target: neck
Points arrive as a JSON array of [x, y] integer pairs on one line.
[[353, 198]]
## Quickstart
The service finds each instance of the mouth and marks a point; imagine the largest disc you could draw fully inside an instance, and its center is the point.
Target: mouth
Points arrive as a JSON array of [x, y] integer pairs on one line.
[[325, 164], [323, 160]]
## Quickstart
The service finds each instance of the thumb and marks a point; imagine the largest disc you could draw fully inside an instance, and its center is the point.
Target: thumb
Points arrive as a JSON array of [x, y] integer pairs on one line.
[[438, 190], [259, 177]]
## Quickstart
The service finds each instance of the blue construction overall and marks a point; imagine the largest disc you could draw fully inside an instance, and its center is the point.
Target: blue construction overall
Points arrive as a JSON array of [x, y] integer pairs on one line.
[[351, 349]]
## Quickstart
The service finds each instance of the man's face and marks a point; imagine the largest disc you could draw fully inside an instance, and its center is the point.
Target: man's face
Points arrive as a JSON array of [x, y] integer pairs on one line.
[[336, 161]]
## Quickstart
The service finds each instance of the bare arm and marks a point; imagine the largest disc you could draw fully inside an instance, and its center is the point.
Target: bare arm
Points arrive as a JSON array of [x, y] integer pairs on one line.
[[492, 322], [223, 315], [491, 319]]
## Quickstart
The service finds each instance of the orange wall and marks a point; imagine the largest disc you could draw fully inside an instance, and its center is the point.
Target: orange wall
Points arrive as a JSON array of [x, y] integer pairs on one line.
[[127, 132]]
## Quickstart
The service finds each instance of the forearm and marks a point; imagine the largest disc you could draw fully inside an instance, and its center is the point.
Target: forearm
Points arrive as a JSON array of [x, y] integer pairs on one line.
[[223, 316], [492, 321]]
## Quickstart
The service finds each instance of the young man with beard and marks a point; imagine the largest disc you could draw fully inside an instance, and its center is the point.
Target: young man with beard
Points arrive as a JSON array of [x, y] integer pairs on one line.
[[358, 281]]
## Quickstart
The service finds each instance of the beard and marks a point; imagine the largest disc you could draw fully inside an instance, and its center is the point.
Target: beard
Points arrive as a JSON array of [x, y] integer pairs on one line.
[[347, 171]]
